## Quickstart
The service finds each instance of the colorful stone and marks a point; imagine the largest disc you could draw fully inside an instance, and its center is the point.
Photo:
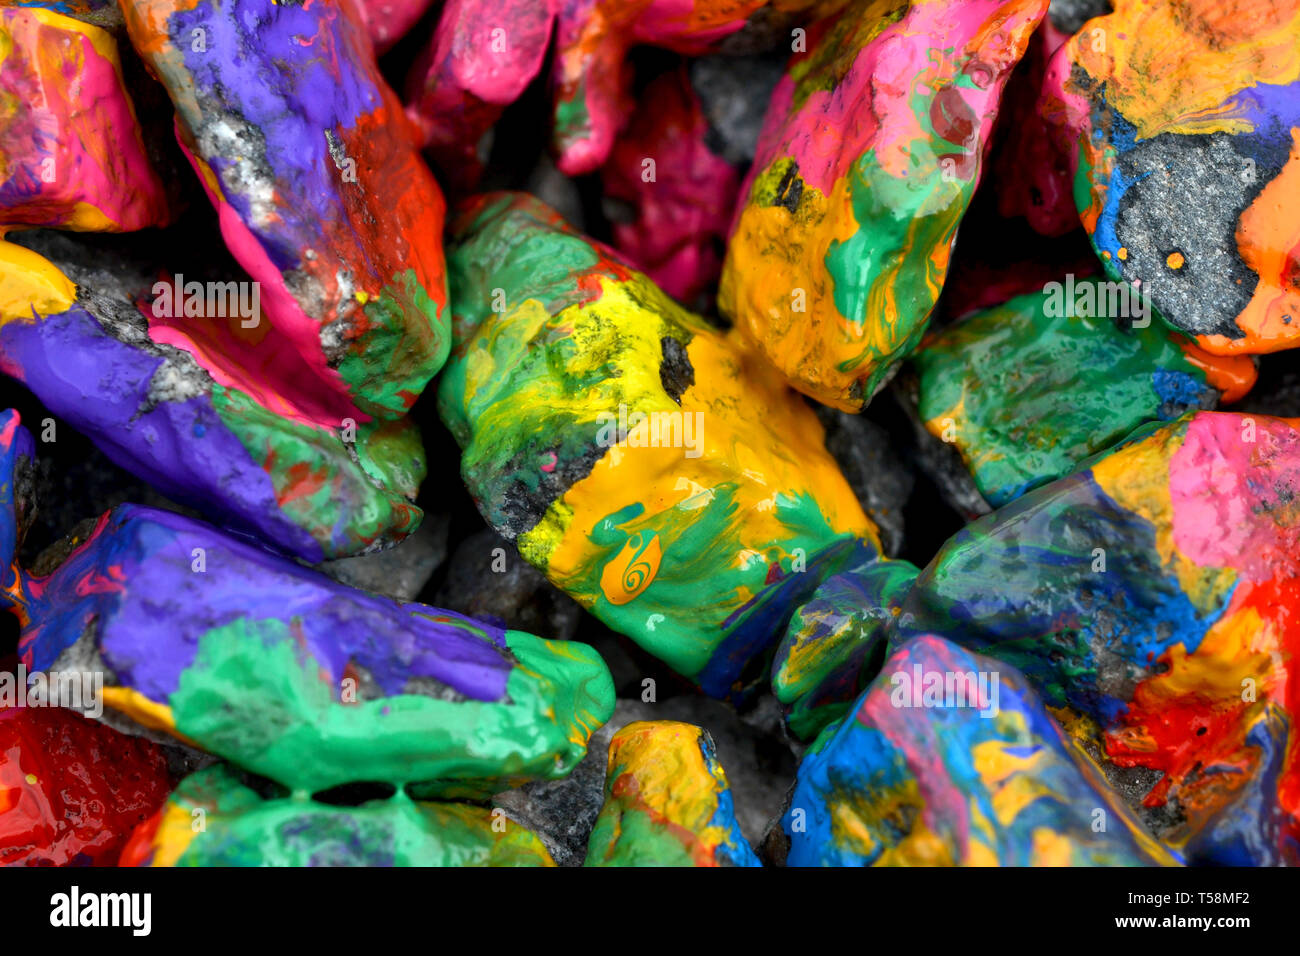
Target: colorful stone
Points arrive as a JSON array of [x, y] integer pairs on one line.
[[486, 52], [215, 820], [1028, 390], [1183, 123], [482, 57], [1030, 170], [1150, 598], [321, 195], [72, 790], [71, 151], [667, 802], [291, 675], [218, 440], [833, 642], [680, 191], [870, 154], [950, 759], [649, 465]]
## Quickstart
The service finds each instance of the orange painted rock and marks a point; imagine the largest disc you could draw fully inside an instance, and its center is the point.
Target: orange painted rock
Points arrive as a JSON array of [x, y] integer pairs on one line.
[[1183, 119], [870, 154]]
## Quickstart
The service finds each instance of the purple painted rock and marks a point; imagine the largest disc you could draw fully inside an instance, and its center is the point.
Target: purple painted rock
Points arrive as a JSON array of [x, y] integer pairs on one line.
[[91, 353], [321, 194], [286, 672]]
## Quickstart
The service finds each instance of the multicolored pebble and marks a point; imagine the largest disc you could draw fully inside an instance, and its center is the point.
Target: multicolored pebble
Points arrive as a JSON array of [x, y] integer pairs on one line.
[[72, 790], [833, 642], [870, 154], [291, 675], [681, 192], [1152, 595], [486, 52], [206, 435], [482, 57], [667, 802], [320, 192], [71, 150], [1027, 390], [652, 467], [215, 820], [949, 758], [1183, 122]]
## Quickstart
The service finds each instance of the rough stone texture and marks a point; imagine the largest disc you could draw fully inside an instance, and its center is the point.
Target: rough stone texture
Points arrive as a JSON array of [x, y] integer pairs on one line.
[[1156, 218], [875, 472], [734, 93], [940, 461], [759, 764], [1069, 15], [400, 572], [488, 579]]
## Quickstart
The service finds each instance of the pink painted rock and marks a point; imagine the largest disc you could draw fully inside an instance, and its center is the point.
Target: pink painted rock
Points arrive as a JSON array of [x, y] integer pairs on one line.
[[872, 148], [71, 151], [681, 191], [390, 20], [321, 195], [486, 52]]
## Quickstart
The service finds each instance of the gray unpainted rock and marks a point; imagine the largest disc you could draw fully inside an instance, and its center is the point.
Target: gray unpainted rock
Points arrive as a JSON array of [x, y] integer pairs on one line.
[[488, 579], [875, 472], [734, 93], [402, 571], [938, 459]]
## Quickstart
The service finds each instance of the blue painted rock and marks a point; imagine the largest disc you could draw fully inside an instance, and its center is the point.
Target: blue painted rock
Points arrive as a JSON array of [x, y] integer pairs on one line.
[[950, 758]]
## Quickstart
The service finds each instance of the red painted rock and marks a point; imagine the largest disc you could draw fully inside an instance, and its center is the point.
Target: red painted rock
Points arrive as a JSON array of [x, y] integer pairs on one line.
[[71, 789]]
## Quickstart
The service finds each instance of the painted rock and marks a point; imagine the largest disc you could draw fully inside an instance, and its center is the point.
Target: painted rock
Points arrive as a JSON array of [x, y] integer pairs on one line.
[[1030, 169], [949, 759], [1028, 390], [591, 74], [207, 433], [832, 643], [650, 466], [389, 20], [482, 57], [291, 675], [1183, 120], [321, 194], [667, 802], [1152, 593], [870, 154], [215, 820], [71, 151], [72, 790], [680, 191], [486, 52]]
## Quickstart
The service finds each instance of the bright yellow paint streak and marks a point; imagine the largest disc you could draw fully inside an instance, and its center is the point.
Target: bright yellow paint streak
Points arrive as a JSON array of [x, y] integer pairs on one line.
[[31, 283]]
